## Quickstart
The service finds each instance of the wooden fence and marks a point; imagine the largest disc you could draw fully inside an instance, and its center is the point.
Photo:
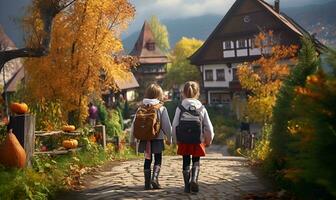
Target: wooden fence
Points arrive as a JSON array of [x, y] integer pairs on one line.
[[24, 128]]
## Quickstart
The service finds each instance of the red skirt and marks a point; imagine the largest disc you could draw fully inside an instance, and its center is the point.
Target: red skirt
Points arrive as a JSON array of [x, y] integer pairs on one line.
[[196, 150]]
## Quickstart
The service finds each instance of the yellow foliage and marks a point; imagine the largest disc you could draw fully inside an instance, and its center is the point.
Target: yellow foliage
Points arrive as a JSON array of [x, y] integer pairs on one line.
[[85, 42], [181, 70], [263, 78]]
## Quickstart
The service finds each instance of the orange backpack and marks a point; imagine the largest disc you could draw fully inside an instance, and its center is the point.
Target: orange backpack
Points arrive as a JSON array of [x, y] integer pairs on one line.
[[147, 123]]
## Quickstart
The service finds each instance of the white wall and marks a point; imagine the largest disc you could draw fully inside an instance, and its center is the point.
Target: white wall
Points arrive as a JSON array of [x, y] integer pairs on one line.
[[214, 67], [242, 52], [130, 95], [228, 53]]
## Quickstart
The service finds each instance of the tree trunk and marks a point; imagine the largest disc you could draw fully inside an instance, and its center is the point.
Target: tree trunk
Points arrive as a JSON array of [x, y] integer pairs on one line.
[[48, 10]]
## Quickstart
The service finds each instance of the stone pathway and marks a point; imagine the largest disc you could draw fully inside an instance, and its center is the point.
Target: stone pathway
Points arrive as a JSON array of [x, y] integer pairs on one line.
[[221, 177]]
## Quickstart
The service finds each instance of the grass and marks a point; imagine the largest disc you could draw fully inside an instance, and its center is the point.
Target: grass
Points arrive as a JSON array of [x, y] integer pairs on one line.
[[51, 174]]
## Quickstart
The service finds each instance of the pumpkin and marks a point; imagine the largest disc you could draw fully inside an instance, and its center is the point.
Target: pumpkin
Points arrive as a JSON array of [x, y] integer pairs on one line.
[[12, 153], [19, 108], [70, 144], [92, 139], [68, 128]]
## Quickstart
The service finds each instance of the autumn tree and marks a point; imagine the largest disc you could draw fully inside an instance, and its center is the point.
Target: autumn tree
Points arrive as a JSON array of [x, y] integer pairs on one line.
[[180, 69], [46, 10], [84, 56], [160, 32], [263, 77]]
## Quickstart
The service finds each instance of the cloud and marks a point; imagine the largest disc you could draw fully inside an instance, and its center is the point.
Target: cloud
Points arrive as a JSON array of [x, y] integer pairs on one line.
[[177, 9], [174, 9]]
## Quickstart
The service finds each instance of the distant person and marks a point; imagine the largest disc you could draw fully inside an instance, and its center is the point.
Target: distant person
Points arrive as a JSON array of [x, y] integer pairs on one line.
[[245, 132], [150, 126], [192, 131], [93, 114]]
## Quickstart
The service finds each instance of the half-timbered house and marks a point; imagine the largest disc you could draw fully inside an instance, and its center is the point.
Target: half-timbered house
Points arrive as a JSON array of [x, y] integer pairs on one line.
[[232, 43]]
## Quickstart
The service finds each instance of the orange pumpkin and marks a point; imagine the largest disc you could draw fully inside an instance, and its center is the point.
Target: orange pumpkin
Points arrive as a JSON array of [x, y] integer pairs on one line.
[[12, 153], [92, 139], [19, 108], [70, 144], [68, 128]]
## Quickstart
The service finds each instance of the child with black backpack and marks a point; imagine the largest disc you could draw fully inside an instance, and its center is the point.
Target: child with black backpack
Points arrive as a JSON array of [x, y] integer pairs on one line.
[[150, 126], [193, 131]]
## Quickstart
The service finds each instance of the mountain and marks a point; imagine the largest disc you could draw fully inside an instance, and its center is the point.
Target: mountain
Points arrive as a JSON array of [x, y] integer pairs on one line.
[[10, 13], [316, 18], [201, 28]]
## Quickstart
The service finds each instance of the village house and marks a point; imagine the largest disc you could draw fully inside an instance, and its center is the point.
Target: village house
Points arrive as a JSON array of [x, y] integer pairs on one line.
[[13, 67], [232, 43], [152, 61]]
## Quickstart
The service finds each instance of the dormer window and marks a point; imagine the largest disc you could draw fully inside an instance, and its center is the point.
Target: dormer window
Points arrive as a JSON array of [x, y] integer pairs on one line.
[[227, 45], [150, 46], [242, 43]]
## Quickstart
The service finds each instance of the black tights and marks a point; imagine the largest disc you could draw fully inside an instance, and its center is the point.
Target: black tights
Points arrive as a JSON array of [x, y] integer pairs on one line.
[[157, 160], [186, 161]]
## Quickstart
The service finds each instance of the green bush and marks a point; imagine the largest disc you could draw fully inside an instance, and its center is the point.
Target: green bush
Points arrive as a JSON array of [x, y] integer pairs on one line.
[[262, 148], [224, 122], [112, 119], [303, 137], [171, 108]]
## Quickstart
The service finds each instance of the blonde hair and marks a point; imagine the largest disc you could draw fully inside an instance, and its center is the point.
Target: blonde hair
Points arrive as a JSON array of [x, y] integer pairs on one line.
[[191, 90], [154, 91]]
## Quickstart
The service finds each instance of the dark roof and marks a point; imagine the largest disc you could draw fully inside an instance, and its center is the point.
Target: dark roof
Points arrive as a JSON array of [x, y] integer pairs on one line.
[[128, 82], [143, 52], [5, 41], [281, 17], [13, 83]]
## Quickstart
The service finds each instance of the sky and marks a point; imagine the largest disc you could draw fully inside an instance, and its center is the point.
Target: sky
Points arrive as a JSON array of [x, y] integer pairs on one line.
[[176, 9], [164, 9]]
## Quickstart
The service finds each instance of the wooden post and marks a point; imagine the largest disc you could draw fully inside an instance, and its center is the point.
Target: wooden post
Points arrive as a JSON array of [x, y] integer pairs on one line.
[[24, 129], [100, 129]]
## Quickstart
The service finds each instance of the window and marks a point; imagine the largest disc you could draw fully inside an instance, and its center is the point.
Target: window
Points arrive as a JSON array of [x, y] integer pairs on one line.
[[220, 73], [219, 98], [151, 46], [235, 75], [241, 44], [208, 75], [227, 45], [253, 43]]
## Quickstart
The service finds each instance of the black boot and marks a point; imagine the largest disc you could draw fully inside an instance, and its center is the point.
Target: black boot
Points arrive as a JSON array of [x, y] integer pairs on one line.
[[194, 177], [147, 174], [186, 178], [155, 177]]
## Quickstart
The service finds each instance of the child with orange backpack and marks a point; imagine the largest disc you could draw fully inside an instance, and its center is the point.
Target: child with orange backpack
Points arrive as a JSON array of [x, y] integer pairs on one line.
[[150, 126], [193, 131]]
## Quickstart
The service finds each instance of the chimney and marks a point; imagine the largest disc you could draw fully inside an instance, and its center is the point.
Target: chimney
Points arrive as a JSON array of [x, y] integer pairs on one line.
[[277, 6]]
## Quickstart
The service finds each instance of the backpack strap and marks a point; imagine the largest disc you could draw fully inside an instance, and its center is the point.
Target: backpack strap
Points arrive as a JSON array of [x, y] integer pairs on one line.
[[182, 110], [157, 107]]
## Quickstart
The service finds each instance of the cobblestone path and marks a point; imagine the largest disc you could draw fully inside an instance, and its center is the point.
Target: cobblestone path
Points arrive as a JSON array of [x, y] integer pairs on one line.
[[221, 177]]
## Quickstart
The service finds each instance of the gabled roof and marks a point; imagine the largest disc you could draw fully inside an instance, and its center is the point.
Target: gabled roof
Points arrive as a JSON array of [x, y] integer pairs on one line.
[[128, 83], [5, 41], [16, 79], [12, 66], [141, 50], [280, 17]]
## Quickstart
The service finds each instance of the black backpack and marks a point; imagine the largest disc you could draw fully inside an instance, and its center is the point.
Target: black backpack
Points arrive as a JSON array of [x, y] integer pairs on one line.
[[190, 127]]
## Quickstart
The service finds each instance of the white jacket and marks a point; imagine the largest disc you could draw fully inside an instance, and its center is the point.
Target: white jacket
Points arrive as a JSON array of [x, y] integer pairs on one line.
[[166, 129], [208, 132]]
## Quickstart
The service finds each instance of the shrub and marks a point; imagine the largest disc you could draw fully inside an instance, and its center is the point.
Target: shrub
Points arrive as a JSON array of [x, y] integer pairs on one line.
[[303, 137]]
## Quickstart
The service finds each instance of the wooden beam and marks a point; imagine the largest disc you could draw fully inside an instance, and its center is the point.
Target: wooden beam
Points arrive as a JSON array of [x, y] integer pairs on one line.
[[56, 152], [44, 133]]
